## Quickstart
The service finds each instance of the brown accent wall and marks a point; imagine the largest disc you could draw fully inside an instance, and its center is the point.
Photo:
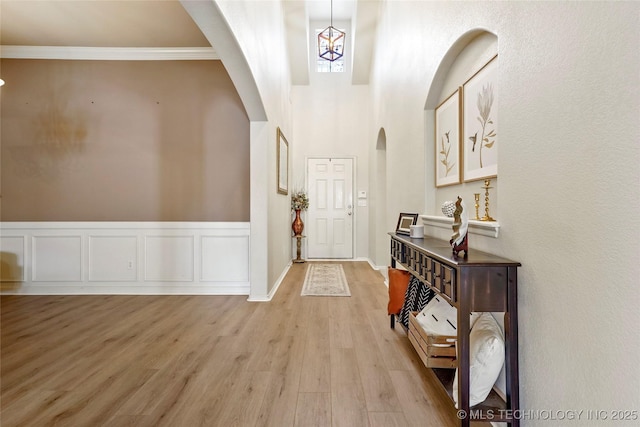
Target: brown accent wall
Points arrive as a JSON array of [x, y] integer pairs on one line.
[[122, 141]]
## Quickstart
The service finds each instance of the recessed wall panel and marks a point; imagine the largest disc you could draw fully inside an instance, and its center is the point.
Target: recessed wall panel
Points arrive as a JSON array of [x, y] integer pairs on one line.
[[321, 230], [225, 259], [113, 258], [321, 168], [338, 194], [321, 194], [169, 259], [12, 258], [57, 258], [339, 231]]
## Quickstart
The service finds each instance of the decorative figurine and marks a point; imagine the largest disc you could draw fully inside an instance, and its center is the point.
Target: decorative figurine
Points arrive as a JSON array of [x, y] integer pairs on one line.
[[459, 241], [448, 208]]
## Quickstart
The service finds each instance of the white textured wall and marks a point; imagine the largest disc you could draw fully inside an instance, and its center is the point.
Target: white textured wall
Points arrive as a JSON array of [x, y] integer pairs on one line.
[[331, 119], [569, 173], [338, 131]]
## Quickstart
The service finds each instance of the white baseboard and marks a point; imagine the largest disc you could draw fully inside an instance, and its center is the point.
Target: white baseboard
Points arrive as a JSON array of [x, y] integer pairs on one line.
[[273, 290]]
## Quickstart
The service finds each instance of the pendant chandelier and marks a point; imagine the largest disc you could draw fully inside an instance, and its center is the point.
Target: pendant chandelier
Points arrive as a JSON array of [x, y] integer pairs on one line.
[[331, 41]]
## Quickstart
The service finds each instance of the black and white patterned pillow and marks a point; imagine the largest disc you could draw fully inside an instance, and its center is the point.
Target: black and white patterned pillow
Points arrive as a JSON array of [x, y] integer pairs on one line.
[[417, 296]]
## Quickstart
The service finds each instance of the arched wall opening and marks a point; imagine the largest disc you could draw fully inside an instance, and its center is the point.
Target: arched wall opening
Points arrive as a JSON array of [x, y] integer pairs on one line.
[[469, 54], [466, 56], [212, 23]]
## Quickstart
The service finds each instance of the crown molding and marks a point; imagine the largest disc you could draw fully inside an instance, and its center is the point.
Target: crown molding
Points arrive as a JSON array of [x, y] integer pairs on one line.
[[109, 53]]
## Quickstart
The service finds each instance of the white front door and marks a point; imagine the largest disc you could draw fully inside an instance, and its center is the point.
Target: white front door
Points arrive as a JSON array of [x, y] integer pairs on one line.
[[329, 227]]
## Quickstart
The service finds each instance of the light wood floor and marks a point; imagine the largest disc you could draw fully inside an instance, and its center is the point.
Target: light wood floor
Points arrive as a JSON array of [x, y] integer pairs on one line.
[[215, 360]]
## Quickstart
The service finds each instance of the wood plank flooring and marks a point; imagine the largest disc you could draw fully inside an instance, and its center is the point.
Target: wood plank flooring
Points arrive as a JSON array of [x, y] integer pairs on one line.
[[215, 360]]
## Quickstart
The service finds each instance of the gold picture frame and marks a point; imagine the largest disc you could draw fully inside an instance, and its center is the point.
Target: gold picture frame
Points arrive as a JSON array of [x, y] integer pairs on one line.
[[282, 163], [480, 129]]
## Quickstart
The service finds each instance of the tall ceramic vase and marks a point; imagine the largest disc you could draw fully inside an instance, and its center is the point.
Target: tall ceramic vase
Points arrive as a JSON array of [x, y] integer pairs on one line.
[[297, 225]]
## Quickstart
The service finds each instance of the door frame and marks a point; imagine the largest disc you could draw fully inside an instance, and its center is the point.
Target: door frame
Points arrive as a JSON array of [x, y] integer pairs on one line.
[[354, 174]]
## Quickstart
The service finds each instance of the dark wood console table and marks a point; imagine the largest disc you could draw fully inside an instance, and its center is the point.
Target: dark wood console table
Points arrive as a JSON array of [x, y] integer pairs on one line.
[[479, 282]]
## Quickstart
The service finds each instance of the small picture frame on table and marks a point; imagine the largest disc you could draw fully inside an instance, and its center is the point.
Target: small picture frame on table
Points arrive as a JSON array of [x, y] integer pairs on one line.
[[405, 221]]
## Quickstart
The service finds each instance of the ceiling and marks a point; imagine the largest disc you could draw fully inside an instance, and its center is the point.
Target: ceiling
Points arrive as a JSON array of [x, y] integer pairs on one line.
[[166, 24]]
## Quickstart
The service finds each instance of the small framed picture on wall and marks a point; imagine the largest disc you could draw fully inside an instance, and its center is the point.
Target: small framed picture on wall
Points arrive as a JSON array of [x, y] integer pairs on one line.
[[282, 163]]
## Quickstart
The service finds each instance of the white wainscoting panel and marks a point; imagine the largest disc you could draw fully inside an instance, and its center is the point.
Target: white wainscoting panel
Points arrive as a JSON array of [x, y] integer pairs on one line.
[[169, 258], [57, 258], [218, 261], [12, 258], [113, 258], [125, 258]]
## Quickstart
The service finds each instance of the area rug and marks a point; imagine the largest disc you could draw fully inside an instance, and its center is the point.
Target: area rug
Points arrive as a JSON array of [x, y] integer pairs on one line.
[[325, 280]]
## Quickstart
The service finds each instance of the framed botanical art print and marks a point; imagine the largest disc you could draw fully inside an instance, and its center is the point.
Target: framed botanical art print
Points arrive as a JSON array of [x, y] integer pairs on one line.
[[405, 221], [480, 117], [282, 163], [447, 140]]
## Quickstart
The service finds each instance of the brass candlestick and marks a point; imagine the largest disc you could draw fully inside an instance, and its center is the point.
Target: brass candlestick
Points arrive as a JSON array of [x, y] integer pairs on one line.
[[477, 205], [486, 217]]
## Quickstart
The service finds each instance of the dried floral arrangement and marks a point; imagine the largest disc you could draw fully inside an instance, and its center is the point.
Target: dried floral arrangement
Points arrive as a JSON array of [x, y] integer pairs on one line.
[[299, 201]]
